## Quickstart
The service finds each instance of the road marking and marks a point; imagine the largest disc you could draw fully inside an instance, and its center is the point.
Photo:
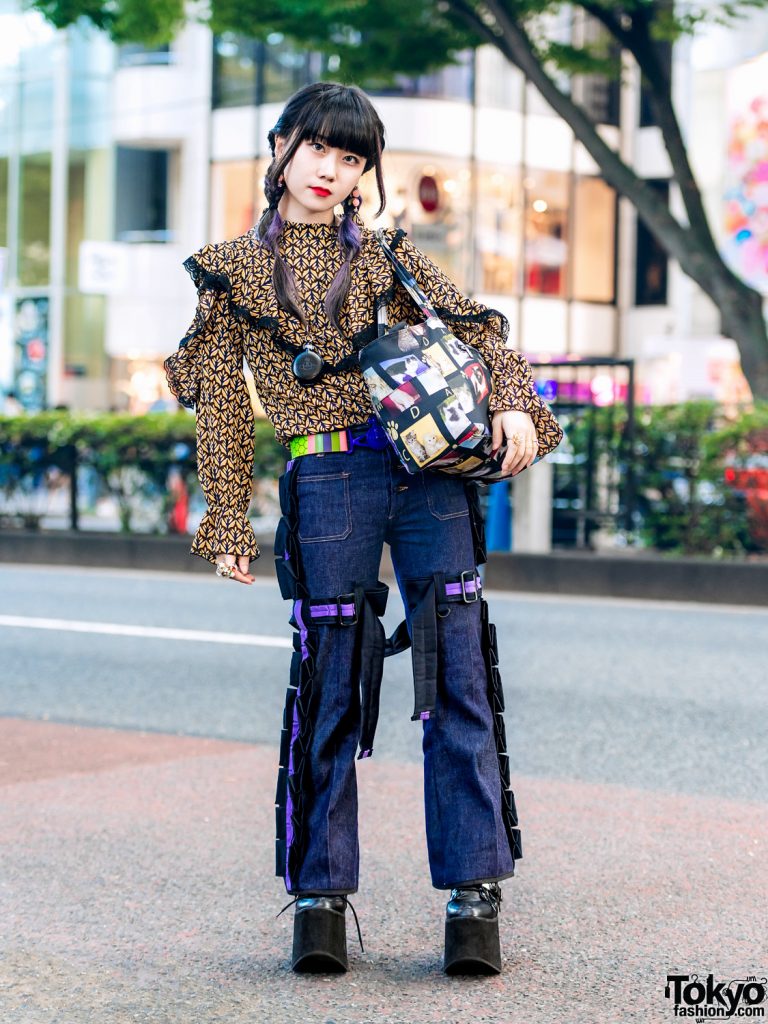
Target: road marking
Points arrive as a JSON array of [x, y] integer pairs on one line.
[[151, 632]]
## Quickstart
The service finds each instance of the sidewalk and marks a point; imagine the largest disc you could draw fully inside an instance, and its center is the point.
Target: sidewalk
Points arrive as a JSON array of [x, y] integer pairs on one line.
[[138, 886]]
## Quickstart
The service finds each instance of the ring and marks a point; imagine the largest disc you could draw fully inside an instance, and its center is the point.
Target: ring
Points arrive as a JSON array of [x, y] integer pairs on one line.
[[224, 570], [516, 439]]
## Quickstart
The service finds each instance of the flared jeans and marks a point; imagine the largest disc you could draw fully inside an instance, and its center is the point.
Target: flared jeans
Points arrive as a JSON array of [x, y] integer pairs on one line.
[[339, 510]]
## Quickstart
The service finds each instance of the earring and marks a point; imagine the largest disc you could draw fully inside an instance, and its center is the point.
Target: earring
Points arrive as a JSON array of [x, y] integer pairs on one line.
[[353, 202]]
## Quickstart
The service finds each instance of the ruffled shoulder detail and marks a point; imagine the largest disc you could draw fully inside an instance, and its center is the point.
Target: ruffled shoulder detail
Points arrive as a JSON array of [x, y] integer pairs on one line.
[[210, 269], [183, 369]]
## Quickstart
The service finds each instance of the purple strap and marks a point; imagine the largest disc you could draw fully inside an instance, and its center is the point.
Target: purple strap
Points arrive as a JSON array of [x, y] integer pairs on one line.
[[470, 587], [318, 611]]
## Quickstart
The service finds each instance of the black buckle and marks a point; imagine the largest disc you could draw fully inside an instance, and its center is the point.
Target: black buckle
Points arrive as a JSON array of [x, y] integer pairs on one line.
[[464, 592], [350, 600]]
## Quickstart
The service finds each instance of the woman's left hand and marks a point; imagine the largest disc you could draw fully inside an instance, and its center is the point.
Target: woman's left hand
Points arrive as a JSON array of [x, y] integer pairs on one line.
[[518, 430]]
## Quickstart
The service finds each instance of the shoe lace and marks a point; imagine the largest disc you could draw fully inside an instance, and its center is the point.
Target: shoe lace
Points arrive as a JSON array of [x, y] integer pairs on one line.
[[347, 903]]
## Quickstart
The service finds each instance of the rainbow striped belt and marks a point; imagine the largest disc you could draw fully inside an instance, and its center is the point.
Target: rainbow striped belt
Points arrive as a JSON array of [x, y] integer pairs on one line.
[[365, 435]]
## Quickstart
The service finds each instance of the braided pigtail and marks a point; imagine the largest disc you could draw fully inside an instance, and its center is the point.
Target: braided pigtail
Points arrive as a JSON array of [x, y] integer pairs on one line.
[[269, 229], [350, 241]]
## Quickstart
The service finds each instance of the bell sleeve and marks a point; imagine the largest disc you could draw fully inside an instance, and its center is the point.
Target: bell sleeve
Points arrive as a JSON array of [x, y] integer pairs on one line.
[[487, 331], [206, 373]]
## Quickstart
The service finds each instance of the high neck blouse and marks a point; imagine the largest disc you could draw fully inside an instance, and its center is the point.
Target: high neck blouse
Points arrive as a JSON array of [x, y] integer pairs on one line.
[[238, 317]]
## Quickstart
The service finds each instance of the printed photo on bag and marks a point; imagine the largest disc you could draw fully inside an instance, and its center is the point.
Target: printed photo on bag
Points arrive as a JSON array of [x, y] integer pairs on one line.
[[401, 398], [407, 341], [376, 386], [476, 377], [463, 391], [458, 349], [473, 439], [454, 418], [432, 381], [465, 464], [437, 357], [424, 441], [406, 368]]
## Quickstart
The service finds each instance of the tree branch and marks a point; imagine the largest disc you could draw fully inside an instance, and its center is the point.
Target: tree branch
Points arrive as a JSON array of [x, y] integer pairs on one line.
[[468, 14], [637, 41]]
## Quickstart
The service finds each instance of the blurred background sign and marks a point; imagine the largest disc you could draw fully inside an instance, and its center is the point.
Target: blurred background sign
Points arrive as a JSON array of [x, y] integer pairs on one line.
[[102, 268]]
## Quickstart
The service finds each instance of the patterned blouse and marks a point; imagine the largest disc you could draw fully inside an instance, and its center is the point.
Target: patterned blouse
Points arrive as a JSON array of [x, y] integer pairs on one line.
[[238, 316]]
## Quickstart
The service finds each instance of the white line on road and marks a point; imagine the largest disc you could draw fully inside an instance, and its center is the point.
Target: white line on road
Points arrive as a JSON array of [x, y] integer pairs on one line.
[[153, 632]]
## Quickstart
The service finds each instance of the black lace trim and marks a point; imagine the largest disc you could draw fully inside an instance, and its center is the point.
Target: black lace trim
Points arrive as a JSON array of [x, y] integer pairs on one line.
[[206, 280], [474, 318]]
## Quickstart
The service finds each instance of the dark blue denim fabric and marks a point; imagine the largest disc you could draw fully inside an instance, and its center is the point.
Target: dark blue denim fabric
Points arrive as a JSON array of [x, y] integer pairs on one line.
[[349, 505]]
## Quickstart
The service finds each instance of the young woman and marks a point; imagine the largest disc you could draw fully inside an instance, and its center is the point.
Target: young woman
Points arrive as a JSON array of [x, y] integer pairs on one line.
[[298, 296]]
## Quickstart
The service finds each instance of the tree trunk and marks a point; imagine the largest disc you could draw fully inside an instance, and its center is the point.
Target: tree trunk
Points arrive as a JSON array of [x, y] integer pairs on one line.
[[741, 308]]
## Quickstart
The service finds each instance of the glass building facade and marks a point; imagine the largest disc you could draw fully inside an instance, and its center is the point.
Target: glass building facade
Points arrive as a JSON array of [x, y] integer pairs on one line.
[[55, 179]]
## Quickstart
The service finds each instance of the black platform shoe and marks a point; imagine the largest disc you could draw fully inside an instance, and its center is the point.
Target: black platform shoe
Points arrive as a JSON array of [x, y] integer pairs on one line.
[[472, 930], [320, 933]]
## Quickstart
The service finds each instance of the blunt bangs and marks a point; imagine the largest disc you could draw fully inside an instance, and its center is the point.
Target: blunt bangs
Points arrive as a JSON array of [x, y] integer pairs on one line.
[[343, 122]]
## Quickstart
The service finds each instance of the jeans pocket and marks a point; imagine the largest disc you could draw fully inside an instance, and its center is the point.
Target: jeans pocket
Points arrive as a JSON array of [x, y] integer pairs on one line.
[[325, 511], [446, 497]]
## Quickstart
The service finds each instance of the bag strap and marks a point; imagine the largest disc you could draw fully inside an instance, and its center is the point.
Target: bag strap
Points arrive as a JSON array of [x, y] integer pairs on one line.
[[407, 279]]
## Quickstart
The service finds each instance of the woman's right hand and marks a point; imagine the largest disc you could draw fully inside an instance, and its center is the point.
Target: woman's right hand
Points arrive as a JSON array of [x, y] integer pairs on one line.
[[241, 564]]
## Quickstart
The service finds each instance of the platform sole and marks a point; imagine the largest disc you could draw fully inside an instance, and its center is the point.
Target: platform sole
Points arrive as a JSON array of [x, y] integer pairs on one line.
[[472, 946], [319, 942]]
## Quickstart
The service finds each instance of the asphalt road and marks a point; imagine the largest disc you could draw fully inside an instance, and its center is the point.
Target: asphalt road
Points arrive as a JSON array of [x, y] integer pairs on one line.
[[138, 773], [660, 696]]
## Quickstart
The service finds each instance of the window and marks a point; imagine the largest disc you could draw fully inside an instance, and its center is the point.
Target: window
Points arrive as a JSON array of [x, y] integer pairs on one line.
[[132, 55], [599, 95], [35, 220], [499, 82], [3, 202], [451, 82], [594, 241], [546, 232], [247, 71], [237, 197], [284, 69], [141, 210], [651, 260], [234, 70], [499, 217]]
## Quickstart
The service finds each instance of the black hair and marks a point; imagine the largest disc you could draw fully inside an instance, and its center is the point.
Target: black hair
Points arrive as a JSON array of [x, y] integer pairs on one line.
[[341, 116]]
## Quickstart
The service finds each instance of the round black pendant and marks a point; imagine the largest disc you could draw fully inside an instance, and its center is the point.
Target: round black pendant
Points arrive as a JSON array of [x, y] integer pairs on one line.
[[307, 366]]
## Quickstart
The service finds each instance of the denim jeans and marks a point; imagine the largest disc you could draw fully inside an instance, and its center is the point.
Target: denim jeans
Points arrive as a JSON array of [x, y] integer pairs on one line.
[[348, 505]]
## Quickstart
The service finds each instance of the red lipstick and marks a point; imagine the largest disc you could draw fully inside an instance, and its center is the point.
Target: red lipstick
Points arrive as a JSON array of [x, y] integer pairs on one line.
[[320, 191]]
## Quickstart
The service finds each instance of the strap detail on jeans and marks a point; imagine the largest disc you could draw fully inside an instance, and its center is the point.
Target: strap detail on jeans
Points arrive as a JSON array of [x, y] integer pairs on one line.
[[361, 608], [428, 598], [407, 279]]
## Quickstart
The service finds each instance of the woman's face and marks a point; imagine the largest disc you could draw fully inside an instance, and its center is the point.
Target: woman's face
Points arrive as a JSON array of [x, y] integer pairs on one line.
[[317, 178]]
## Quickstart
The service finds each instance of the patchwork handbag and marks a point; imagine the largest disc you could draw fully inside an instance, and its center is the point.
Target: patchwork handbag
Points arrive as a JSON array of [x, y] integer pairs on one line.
[[430, 391]]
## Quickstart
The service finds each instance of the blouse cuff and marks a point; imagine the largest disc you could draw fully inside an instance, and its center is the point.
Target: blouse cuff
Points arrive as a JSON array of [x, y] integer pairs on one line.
[[225, 532]]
